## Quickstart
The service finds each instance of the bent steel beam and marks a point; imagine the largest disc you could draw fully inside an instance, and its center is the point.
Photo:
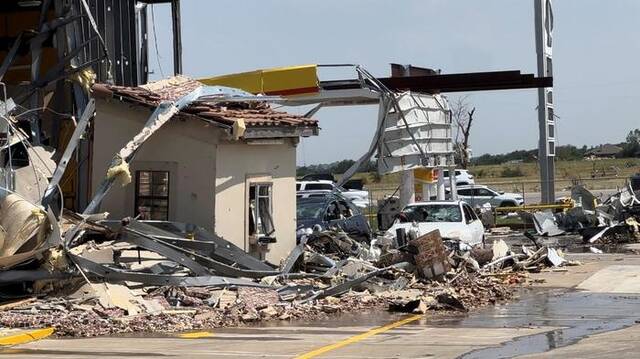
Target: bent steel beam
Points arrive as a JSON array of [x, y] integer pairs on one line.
[[118, 275], [68, 152], [224, 251], [183, 256], [151, 244]]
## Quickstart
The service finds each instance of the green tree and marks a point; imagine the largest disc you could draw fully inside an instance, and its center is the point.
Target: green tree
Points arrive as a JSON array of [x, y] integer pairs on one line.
[[631, 147]]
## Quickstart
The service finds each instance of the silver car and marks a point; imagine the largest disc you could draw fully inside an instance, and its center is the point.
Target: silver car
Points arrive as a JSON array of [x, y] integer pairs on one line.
[[477, 195]]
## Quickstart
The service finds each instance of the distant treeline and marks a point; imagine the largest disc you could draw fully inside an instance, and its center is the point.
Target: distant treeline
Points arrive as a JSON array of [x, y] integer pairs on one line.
[[334, 167], [630, 148], [563, 153]]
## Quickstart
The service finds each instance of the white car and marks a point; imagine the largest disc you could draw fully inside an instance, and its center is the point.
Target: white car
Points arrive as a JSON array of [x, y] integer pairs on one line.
[[463, 177], [478, 195], [305, 188], [454, 220]]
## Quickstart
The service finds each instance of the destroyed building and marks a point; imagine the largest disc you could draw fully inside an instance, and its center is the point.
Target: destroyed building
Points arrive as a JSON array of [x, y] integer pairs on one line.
[[209, 172], [229, 168]]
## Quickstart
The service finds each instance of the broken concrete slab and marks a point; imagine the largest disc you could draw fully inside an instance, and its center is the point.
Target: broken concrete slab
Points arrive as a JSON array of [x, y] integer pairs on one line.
[[613, 279]]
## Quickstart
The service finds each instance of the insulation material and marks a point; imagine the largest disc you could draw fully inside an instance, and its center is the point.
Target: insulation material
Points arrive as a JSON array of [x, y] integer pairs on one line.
[[24, 226], [238, 128], [120, 171], [85, 78], [55, 259]]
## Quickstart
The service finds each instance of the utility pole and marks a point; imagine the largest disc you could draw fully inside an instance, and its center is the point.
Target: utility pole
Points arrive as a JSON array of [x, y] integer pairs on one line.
[[177, 37], [546, 120]]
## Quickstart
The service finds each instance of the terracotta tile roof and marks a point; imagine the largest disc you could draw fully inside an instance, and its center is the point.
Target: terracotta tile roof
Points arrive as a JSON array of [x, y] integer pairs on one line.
[[255, 114]]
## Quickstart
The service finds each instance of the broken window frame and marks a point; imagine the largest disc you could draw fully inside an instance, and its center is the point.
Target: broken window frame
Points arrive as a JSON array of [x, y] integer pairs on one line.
[[153, 196], [469, 214], [260, 224]]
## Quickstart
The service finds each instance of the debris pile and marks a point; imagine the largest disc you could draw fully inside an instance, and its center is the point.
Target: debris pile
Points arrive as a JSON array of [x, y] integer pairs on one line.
[[149, 276], [503, 259], [611, 221]]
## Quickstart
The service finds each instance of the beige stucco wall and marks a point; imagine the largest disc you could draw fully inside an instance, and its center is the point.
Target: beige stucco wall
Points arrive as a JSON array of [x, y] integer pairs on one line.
[[185, 148], [208, 175], [236, 165]]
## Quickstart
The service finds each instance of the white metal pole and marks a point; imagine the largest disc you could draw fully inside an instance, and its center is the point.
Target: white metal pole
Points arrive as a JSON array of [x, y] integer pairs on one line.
[[426, 192], [440, 185], [453, 186], [407, 188], [546, 121]]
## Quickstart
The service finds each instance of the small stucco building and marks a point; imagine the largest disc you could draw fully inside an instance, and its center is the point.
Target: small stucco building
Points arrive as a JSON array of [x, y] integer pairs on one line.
[[200, 167]]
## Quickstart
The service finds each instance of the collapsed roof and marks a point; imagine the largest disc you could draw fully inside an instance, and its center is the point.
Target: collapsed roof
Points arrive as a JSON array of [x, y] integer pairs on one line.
[[254, 114]]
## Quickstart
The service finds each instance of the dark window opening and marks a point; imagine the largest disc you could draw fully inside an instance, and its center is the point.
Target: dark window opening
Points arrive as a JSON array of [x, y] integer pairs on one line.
[[465, 192], [345, 211], [261, 210], [333, 212], [152, 195], [18, 155], [481, 192], [318, 187], [469, 214]]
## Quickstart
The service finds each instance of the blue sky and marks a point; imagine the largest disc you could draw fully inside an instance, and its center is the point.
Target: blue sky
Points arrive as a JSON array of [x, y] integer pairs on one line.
[[596, 59]]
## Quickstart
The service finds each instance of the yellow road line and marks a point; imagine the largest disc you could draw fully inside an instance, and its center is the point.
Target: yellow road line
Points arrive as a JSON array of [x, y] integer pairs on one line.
[[195, 335], [359, 337], [25, 336]]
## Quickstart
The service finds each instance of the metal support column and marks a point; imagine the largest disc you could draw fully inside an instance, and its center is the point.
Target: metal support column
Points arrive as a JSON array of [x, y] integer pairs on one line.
[[426, 192], [143, 47], [546, 120], [453, 187], [407, 188], [440, 196], [177, 37]]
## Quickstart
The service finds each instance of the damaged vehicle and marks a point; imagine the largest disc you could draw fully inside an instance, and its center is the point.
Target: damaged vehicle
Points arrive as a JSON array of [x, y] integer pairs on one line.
[[359, 197], [454, 220], [331, 211]]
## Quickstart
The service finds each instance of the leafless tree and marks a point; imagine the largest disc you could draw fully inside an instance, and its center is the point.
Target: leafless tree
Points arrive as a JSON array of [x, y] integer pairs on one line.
[[462, 117]]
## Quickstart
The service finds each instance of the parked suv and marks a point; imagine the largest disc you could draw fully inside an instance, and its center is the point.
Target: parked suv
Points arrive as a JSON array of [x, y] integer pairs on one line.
[[463, 178], [359, 197], [477, 195]]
